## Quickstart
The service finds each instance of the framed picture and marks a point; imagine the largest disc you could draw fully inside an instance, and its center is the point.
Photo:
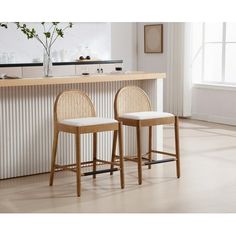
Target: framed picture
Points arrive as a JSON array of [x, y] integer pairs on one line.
[[153, 38]]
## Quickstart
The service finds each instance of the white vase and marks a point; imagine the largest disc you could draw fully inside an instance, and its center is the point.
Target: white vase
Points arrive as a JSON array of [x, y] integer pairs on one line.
[[47, 63]]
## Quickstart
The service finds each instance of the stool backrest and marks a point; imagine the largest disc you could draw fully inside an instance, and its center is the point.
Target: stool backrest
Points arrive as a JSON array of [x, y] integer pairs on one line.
[[131, 99], [73, 104]]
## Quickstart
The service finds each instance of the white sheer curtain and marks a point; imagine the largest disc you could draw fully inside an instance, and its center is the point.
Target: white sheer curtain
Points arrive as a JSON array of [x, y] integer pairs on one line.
[[178, 83]]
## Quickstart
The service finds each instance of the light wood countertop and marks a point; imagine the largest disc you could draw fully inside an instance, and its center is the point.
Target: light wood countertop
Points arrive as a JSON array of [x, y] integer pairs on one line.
[[96, 78]]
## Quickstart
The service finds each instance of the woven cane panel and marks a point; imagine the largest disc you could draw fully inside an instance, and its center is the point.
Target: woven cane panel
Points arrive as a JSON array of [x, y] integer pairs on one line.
[[73, 104], [132, 99]]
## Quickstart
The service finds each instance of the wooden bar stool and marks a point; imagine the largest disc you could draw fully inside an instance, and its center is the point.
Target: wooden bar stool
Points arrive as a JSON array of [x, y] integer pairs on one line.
[[74, 113], [133, 108]]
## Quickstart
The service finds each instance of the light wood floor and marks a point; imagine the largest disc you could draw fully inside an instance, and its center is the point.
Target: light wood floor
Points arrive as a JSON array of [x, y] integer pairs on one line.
[[208, 182]]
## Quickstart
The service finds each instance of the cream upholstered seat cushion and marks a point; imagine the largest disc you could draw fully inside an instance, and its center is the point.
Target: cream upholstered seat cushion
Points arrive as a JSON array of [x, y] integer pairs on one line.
[[88, 121], [145, 115]]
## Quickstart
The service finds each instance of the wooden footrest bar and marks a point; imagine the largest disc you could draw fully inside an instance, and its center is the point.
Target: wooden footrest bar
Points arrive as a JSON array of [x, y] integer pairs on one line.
[[108, 162], [164, 153], [100, 171], [159, 161], [86, 164]]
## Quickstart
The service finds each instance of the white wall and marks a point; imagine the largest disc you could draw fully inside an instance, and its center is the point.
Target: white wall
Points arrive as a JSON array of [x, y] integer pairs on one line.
[[95, 36], [214, 104], [153, 62], [124, 44]]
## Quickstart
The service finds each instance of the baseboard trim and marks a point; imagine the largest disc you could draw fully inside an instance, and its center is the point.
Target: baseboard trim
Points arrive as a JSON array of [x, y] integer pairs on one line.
[[216, 119]]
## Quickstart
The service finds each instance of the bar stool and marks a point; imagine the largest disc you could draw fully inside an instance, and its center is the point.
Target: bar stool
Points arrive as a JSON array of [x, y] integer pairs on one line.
[[74, 113], [133, 108]]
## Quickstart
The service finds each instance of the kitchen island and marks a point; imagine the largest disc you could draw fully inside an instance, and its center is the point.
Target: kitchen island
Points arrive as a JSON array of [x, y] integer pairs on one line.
[[26, 118]]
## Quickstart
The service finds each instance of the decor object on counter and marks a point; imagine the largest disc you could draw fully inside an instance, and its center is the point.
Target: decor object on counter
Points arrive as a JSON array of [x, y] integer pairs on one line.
[[5, 76], [84, 58], [51, 32], [153, 38]]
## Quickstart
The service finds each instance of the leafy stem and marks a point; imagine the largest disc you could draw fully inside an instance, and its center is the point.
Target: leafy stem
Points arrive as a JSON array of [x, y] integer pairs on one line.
[[49, 34], [44, 30], [3, 24], [60, 32], [54, 30]]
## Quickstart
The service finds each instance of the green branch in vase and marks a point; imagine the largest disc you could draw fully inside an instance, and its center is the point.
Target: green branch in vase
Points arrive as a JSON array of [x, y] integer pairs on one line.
[[50, 35]]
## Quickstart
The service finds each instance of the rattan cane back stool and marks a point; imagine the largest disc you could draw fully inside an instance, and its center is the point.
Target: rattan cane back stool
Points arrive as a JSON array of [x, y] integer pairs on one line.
[[133, 108], [74, 113]]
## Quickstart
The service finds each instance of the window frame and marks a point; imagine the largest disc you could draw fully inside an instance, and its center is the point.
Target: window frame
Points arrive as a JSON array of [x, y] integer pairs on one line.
[[223, 58]]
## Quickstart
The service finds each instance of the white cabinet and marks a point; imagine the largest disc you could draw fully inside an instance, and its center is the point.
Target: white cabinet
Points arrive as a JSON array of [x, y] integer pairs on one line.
[[107, 68], [30, 71], [91, 69], [97, 68], [63, 70], [11, 71]]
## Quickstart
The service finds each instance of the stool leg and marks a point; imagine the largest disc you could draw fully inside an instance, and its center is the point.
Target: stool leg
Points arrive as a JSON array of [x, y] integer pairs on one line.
[[150, 146], [54, 153], [78, 163], [94, 153], [177, 146], [122, 181], [113, 150], [139, 154]]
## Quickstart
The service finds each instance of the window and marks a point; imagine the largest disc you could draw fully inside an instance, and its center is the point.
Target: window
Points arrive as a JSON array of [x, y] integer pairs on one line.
[[214, 51]]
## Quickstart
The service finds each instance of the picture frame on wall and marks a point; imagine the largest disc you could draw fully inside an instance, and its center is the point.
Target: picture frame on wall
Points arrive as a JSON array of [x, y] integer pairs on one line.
[[153, 38]]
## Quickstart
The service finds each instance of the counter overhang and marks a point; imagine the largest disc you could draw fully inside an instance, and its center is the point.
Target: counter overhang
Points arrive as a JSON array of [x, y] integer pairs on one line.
[[96, 78]]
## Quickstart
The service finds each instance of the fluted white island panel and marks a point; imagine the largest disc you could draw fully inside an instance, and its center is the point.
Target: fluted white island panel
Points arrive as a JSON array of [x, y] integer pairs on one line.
[[26, 119]]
